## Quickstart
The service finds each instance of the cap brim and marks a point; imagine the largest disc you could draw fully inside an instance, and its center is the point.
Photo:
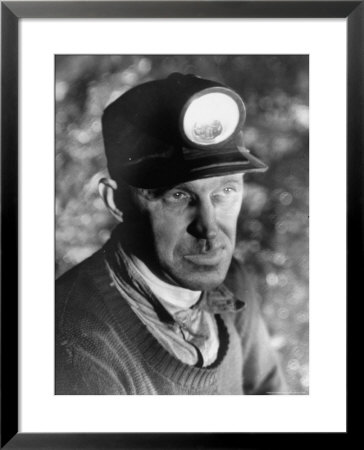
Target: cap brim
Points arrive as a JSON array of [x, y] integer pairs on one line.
[[233, 161], [193, 166]]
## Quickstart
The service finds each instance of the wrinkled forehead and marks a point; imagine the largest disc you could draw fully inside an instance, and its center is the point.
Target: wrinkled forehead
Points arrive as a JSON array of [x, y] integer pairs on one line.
[[211, 183]]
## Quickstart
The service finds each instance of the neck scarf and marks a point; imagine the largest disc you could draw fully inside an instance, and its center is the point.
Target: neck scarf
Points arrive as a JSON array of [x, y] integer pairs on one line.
[[184, 327]]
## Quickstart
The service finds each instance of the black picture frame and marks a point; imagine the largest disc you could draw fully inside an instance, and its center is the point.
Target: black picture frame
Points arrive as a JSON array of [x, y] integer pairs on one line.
[[12, 12]]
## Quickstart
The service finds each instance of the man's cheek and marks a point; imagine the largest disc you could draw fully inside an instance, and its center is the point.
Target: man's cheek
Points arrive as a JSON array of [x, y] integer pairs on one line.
[[228, 229], [165, 244]]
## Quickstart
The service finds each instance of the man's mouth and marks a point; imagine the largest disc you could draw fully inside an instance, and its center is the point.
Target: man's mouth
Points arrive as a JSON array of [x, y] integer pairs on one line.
[[207, 258]]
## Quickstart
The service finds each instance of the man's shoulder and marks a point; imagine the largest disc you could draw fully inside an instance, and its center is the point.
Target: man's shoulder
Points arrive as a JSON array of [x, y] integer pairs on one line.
[[242, 283], [85, 268], [76, 288], [240, 280]]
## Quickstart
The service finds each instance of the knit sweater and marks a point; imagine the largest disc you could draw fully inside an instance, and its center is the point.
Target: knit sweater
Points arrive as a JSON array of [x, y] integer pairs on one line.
[[102, 347]]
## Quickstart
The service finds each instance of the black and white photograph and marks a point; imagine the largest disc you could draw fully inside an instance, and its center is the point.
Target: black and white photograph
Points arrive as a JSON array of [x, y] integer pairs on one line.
[[182, 224]]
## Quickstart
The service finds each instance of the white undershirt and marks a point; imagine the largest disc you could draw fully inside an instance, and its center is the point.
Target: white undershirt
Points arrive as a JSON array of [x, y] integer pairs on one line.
[[174, 298]]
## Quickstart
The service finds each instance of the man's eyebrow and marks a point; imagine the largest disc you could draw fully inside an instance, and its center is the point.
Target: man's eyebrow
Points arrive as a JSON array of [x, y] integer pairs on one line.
[[234, 181], [180, 186], [231, 180]]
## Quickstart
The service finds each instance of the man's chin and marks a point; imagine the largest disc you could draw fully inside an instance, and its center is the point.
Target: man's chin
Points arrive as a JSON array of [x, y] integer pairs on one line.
[[202, 281], [197, 277], [205, 285]]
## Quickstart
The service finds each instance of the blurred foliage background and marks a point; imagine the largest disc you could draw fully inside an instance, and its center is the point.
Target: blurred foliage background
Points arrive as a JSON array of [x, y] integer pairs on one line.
[[273, 225]]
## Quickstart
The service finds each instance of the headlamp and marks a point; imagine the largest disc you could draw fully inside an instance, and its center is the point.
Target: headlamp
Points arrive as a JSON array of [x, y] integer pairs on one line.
[[212, 116]]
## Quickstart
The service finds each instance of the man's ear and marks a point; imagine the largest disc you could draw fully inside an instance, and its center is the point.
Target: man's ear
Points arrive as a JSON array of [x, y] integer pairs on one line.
[[107, 189]]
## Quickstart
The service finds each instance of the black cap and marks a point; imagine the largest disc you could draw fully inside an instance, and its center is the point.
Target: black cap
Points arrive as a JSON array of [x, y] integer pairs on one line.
[[182, 128]]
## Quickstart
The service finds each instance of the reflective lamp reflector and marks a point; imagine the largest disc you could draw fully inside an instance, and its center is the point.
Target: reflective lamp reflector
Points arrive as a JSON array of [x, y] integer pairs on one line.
[[211, 118]]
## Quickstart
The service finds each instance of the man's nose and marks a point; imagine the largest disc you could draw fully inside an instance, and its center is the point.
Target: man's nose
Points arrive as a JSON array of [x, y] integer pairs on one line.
[[203, 225]]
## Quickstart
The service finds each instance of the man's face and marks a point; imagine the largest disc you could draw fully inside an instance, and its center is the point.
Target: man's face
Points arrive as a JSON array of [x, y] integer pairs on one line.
[[190, 229]]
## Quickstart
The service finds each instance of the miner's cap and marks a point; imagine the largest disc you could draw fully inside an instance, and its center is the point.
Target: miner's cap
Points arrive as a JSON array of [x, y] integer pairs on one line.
[[181, 128]]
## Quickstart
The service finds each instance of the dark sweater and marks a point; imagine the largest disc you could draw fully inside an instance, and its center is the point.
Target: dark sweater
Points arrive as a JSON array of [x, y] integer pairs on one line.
[[103, 348]]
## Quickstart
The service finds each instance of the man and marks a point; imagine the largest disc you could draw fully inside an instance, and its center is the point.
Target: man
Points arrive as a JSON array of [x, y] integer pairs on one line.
[[163, 308]]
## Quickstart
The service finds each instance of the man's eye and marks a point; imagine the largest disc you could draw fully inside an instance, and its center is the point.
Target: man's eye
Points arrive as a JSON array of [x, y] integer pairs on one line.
[[228, 190], [178, 196], [224, 193]]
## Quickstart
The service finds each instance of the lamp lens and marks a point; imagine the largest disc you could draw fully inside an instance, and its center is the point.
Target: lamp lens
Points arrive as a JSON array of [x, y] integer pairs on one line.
[[211, 118]]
